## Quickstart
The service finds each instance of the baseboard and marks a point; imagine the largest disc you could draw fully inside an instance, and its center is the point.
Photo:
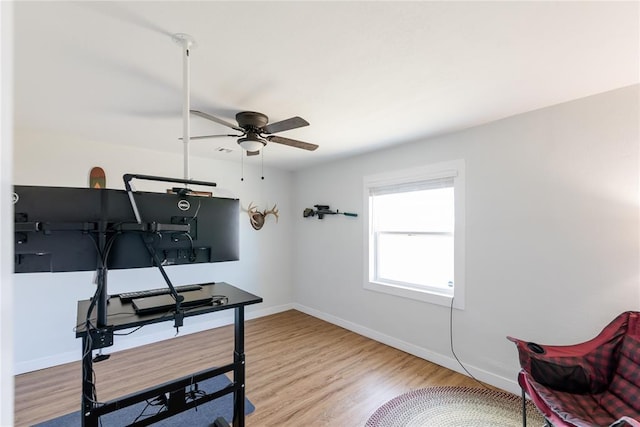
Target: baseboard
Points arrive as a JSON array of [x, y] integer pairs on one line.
[[46, 362], [437, 358], [225, 318]]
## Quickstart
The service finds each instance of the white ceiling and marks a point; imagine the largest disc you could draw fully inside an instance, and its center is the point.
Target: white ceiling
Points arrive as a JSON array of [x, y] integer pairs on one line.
[[364, 74]]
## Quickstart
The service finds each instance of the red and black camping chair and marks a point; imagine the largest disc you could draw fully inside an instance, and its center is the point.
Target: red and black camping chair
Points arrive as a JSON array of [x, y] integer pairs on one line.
[[592, 384]]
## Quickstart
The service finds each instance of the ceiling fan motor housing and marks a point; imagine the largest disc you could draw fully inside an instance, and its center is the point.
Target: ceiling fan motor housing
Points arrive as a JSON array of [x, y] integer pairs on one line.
[[251, 120]]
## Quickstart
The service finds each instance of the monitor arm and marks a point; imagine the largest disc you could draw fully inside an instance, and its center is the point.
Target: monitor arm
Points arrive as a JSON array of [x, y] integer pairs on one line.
[[127, 177], [179, 315]]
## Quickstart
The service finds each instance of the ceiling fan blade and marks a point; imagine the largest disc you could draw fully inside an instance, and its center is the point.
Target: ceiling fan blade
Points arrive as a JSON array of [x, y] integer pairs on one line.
[[217, 120], [253, 153], [292, 142], [292, 123], [192, 138]]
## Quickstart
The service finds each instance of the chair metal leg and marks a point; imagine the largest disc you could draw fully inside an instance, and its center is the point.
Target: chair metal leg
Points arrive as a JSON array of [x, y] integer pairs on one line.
[[524, 409]]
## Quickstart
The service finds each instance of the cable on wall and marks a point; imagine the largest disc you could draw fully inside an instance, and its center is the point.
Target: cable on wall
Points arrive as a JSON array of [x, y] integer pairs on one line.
[[454, 352]]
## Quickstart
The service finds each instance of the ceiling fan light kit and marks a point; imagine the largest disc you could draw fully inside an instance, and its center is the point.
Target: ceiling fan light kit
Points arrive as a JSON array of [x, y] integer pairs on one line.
[[251, 143]]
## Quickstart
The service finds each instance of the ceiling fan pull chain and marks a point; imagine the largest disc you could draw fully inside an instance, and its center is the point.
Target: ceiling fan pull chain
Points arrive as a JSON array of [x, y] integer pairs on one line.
[[241, 165], [262, 158]]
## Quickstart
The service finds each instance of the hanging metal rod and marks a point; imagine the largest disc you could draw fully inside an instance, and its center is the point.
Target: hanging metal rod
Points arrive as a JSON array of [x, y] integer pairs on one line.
[[187, 42]]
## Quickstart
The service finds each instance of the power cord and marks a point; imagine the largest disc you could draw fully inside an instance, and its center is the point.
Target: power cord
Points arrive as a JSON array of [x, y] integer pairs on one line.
[[454, 352]]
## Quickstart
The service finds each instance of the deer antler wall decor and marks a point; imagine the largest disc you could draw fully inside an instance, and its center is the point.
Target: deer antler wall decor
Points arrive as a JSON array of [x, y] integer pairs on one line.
[[257, 218]]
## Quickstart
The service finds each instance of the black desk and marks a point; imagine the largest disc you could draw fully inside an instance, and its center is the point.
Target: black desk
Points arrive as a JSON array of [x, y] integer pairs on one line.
[[122, 316]]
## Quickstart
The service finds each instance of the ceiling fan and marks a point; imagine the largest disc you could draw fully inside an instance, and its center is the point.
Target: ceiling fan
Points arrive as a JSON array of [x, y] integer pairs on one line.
[[255, 131]]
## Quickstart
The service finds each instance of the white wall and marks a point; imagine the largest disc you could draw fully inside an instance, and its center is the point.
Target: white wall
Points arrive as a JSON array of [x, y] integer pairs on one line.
[[6, 215], [552, 244], [44, 322]]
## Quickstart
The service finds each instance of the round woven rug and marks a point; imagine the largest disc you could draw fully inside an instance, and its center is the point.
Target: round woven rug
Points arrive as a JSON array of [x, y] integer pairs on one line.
[[454, 407]]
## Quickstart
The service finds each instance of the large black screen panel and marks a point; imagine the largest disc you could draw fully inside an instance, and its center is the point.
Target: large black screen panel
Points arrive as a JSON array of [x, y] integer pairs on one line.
[[52, 228], [60, 229], [212, 237]]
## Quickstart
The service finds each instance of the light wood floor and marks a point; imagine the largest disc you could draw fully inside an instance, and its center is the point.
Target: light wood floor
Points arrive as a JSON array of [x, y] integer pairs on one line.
[[301, 371]]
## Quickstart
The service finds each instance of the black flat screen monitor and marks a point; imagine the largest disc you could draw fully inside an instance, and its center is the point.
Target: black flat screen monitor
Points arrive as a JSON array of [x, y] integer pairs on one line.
[[58, 229]]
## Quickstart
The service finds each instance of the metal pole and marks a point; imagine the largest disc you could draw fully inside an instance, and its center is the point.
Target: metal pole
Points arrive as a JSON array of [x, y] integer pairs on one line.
[[187, 43], [239, 368], [185, 112], [87, 418]]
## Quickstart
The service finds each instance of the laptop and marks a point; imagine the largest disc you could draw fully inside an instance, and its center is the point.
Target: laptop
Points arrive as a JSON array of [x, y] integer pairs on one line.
[[166, 303]]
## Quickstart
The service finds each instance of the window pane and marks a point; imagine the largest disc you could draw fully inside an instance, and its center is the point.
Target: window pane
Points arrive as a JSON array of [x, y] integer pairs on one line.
[[425, 210], [412, 216], [421, 259]]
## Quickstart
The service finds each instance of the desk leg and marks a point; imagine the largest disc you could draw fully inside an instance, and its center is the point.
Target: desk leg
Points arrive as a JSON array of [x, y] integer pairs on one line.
[[86, 407], [239, 373]]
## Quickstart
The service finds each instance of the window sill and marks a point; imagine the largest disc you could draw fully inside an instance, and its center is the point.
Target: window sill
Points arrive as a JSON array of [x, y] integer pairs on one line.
[[413, 293]]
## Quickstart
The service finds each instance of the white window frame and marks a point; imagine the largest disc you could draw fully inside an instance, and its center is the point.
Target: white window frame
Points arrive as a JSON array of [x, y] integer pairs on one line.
[[450, 169]]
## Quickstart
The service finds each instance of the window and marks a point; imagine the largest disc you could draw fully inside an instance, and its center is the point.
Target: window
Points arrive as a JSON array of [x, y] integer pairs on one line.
[[414, 241]]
